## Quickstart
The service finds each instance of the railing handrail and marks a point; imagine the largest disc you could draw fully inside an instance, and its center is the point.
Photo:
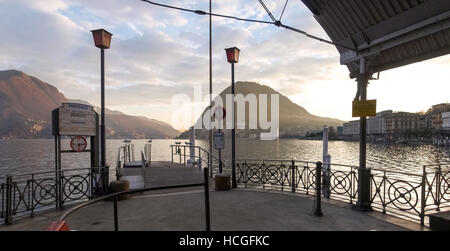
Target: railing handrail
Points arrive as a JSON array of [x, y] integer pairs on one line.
[[201, 148], [396, 172], [55, 171], [387, 187], [437, 164], [29, 193]]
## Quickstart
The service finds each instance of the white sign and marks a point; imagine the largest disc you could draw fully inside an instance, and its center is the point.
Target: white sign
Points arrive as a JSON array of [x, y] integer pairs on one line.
[[77, 120], [78, 144], [219, 140]]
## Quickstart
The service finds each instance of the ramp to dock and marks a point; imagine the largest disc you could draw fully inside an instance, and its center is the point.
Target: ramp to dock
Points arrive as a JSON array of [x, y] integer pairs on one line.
[[165, 173]]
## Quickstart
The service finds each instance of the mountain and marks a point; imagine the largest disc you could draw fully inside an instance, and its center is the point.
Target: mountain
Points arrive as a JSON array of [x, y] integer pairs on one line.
[[26, 104], [294, 120]]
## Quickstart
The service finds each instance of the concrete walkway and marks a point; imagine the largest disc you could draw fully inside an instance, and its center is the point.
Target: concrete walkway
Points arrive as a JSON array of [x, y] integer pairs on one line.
[[230, 210]]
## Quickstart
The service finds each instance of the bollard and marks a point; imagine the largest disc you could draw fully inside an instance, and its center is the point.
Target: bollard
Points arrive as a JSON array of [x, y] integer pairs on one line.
[[317, 202]]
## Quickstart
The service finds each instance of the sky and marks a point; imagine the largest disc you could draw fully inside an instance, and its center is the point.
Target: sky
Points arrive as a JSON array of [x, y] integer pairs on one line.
[[157, 53]]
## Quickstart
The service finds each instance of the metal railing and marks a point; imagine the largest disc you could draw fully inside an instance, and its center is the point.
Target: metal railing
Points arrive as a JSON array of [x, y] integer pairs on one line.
[[125, 155], [181, 154], [115, 196], [27, 194], [405, 195]]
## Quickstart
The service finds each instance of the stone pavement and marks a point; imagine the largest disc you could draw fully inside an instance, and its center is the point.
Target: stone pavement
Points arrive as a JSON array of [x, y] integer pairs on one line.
[[240, 209]]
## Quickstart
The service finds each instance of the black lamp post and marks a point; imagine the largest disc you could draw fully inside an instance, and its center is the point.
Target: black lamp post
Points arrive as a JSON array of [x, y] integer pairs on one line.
[[102, 40], [233, 57]]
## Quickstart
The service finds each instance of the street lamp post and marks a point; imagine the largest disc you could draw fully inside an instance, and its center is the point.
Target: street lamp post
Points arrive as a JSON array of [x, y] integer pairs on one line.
[[233, 57], [102, 40]]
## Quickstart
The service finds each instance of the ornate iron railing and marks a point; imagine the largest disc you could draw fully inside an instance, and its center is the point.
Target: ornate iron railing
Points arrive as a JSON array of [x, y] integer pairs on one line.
[[27, 194], [406, 195]]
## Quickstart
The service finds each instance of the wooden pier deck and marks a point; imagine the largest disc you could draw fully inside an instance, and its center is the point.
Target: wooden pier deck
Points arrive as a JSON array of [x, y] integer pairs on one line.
[[166, 173]]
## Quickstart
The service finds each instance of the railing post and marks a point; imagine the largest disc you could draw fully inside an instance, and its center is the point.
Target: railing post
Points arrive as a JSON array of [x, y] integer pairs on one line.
[[105, 180], [220, 161], [57, 177], [116, 220], [318, 203], [263, 175], [293, 176], [61, 188], [210, 164], [246, 172], [327, 177], [438, 188], [199, 158], [423, 199], [207, 209], [179, 152], [9, 188]]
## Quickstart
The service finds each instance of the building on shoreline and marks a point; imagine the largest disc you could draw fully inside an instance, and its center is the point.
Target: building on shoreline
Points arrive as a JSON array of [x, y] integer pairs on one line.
[[446, 121], [389, 126]]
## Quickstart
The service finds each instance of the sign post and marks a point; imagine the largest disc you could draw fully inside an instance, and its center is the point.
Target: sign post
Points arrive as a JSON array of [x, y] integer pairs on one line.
[[77, 121], [219, 137]]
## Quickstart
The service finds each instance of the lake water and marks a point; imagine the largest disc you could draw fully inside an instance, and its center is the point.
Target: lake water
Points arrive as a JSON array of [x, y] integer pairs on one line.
[[27, 156]]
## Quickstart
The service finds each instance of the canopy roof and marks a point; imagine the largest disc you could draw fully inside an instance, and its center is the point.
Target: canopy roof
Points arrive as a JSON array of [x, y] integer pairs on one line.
[[392, 33]]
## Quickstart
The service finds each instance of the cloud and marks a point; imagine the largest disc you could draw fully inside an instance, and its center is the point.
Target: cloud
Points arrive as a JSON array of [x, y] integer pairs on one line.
[[157, 53]]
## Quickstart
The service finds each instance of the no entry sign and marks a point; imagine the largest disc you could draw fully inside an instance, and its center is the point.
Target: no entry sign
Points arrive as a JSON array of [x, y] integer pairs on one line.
[[78, 144]]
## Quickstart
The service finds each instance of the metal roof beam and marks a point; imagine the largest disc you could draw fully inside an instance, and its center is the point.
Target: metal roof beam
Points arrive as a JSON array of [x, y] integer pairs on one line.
[[408, 34]]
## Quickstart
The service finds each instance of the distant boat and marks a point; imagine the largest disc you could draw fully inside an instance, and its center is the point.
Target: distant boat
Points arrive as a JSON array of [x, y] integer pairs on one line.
[[401, 141], [127, 141], [150, 140]]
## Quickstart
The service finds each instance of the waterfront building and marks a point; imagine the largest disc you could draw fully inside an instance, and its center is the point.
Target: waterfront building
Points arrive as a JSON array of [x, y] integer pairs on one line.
[[446, 121], [340, 131], [399, 124], [350, 130], [376, 125], [436, 115], [391, 125]]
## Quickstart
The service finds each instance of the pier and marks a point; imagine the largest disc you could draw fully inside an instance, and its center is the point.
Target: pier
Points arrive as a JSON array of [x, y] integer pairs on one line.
[[240, 209], [265, 199]]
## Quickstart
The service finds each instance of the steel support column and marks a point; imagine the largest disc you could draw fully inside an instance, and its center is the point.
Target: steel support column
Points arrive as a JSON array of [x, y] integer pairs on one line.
[[363, 202]]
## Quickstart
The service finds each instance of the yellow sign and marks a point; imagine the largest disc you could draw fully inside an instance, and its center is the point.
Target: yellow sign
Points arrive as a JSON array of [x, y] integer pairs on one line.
[[364, 108]]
